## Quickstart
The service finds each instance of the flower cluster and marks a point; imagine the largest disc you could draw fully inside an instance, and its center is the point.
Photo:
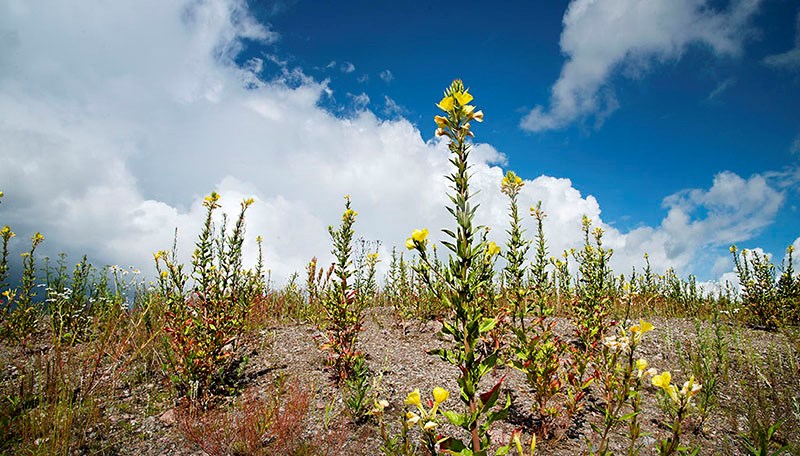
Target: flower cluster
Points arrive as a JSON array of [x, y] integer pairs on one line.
[[456, 105], [679, 397], [623, 341]]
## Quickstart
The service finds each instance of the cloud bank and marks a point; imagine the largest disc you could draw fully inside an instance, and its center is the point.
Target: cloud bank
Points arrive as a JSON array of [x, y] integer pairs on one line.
[[602, 38], [114, 131]]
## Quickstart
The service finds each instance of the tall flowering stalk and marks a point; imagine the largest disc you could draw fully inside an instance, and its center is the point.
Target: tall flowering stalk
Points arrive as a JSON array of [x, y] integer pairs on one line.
[[469, 270], [516, 249], [344, 320]]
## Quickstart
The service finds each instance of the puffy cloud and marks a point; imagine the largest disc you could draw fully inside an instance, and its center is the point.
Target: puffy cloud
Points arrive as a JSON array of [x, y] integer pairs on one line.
[[114, 132], [601, 37]]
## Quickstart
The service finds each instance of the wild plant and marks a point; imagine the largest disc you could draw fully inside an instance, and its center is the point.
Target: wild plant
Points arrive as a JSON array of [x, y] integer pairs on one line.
[[516, 291], [392, 444], [708, 358], [5, 234], [257, 424], [788, 289], [595, 292], [678, 405], [563, 285], [21, 313], [763, 442], [358, 390], [68, 303], [204, 322], [759, 292], [536, 350], [365, 263], [541, 280], [620, 376], [318, 281], [469, 269], [344, 319]]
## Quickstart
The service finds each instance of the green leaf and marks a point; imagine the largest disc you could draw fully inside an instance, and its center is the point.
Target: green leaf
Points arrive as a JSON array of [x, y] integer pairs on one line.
[[487, 324], [454, 447], [456, 419]]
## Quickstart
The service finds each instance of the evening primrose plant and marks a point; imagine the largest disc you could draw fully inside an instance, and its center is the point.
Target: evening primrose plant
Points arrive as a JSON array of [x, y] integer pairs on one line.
[[344, 320], [469, 270], [678, 403], [206, 308], [620, 375]]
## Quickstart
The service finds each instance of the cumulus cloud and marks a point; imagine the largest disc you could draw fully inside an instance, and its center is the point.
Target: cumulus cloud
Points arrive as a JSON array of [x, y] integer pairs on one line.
[[603, 37], [347, 67], [789, 60], [114, 132]]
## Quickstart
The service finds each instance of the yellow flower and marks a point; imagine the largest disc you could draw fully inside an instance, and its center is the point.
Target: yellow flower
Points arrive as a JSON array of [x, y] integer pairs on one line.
[[640, 329], [420, 235], [463, 98], [733, 248], [441, 122], [641, 365], [440, 395], [478, 116], [164, 274], [446, 104], [248, 202], [410, 244], [412, 418], [690, 388], [493, 249], [662, 381], [212, 198], [413, 398], [430, 425]]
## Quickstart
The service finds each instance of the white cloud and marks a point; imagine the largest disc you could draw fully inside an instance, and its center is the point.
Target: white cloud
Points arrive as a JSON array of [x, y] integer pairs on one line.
[[789, 60], [387, 76], [360, 101], [113, 132], [347, 67], [601, 37]]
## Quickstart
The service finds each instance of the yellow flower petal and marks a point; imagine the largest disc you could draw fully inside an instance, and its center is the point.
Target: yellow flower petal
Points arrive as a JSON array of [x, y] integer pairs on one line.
[[446, 104], [463, 98], [441, 122], [440, 395], [420, 235], [410, 244], [662, 381], [413, 398]]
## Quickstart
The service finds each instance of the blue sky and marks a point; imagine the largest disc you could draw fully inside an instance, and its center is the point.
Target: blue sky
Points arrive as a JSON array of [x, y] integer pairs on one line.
[[675, 124]]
